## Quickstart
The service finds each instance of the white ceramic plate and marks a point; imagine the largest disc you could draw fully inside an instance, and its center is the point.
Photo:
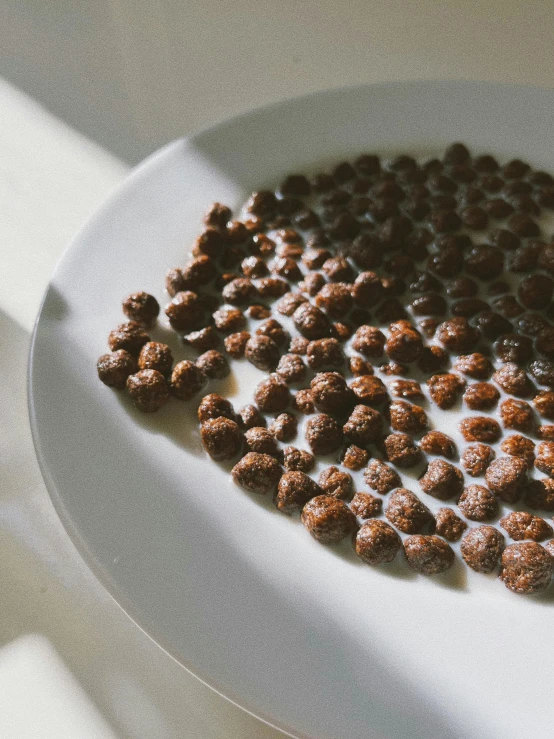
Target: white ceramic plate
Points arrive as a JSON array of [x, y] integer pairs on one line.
[[301, 635]]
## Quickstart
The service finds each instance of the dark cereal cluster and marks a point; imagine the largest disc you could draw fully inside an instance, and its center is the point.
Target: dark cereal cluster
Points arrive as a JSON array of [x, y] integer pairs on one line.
[[394, 319]]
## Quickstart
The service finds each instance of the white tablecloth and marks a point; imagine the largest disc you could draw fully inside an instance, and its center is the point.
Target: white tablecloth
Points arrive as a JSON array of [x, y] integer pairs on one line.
[[72, 664]]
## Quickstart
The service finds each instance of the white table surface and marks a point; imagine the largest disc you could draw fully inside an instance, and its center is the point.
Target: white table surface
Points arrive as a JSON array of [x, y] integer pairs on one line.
[[131, 74]]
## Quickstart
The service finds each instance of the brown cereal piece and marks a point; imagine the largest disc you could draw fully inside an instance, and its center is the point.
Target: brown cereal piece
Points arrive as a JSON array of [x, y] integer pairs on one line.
[[185, 312], [327, 519], [336, 483], [312, 283], [433, 358], [544, 343], [174, 281], [258, 473], [304, 402], [297, 460], [516, 414], [323, 434], [314, 258], [294, 490], [461, 287], [401, 450], [341, 331], [289, 303], [262, 352], [287, 268], [211, 242], [545, 432], [130, 337], [545, 458], [492, 325], [429, 327], [284, 427], [476, 458], [298, 345], [258, 439], [513, 348], [381, 477], [447, 262], [272, 395], [235, 344], [214, 406], [364, 425], [199, 271], [311, 322], [442, 480], [240, 291], [250, 417], [213, 364], [539, 494], [429, 305], [389, 310], [544, 403], [203, 339], [217, 216], [376, 542], [526, 567], [186, 380], [157, 356], [369, 390], [468, 307], [428, 554], [367, 289], [445, 389], [221, 438], [519, 446], [295, 185], [532, 324], [359, 366], [394, 368], [141, 308], [324, 353], [485, 262], [407, 512], [478, 503], [404, 346], [274, 330], [291, 368], [481, 396], [474, 217], [337, 269], [355, 458], [369, 341], [445, 221], [481, 548], [435, 442], [114, 369], [480, 428], [330, 393], [407, 417], [262, 203], [449, 525], [423, 282], [512, 379], [237, 232], [229, 319], [507, 477], [272, 287], [406, 389], [535, 291], [549, 546], [521, 525], [335, 299], [457, 335], [523, 225]]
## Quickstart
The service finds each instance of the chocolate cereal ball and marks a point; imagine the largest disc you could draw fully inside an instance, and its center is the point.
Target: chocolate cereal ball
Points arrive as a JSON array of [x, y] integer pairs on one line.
[[380, 477], [513, 348], [129, 336], [435, 442], [142, 308], [407, 417], [262, 352], [294, 490], [404, 346], [401, 450], [284, 427], [221, 438], [545, 458], [535, 291], [364, 425], [214, 406], [445, 389], [476, 458], [544, 403], [369, 341], [521, 525], [330, 393], [304, 402], [457, 335], [369, 390], [507, 477], [354, 457], [148, 390], [272, 395], [526, 567], [259, 439], [336, 483], [376, 542], [475, 365], [481, 548], [428, 554], [478, 503], [519, 446], [213, 364], [366, 505], [203, 339], [442, 480], [291, 368], [407, 512], [481, 396], [297, 460], [114, 369], [185, 312], [311, 322], [250, 417], [235, 344], [335, 298], [543, 371], [512, 379], [186, 380], [258, 473], [516, 414], [449, 525], [155, 355], [539, 494], [480, 428], [323, 353], [327, 519], [323, 434]]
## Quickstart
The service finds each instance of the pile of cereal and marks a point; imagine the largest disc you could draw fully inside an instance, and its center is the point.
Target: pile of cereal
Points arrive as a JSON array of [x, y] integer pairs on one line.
[[383, 300]]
